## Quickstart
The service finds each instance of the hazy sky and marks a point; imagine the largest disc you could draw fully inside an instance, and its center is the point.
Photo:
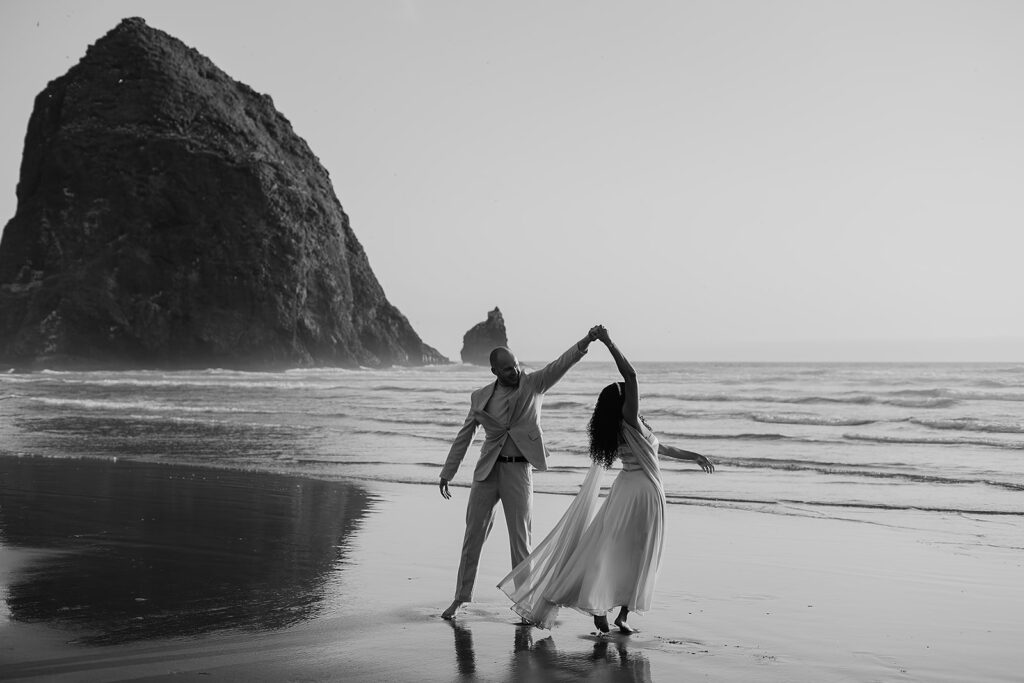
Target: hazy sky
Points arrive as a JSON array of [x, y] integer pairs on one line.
[[711, 180]]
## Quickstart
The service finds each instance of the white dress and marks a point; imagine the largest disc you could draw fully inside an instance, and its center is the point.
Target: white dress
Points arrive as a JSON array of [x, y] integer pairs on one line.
[[599, 556]]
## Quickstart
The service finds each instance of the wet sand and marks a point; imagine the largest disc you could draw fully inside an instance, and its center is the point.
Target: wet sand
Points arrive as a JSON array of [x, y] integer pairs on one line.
[[117, 571]]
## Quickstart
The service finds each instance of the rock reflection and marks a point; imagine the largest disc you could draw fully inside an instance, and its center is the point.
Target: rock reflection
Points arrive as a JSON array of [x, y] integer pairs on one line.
[[147, 551]]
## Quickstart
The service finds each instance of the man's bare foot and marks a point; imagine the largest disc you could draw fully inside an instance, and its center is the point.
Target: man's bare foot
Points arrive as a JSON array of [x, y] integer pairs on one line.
[[624, 627], [601, 622], [452, 609]]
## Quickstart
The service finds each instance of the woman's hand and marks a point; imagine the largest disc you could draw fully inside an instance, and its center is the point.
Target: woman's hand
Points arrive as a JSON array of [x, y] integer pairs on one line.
[[704, 463]]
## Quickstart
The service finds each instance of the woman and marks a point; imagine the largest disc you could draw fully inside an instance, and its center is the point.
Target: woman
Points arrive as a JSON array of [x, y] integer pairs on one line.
[[596, 560]]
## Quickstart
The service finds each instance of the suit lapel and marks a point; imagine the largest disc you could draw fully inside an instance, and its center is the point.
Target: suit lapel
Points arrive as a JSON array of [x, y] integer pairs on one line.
[[482, 397]]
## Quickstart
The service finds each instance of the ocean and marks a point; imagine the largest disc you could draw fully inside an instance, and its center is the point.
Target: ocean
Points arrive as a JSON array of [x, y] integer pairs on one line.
[[811, 439]]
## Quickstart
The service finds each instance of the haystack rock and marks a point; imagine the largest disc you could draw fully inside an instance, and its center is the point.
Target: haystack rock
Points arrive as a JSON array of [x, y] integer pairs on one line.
[[478, 342], [168, 216]]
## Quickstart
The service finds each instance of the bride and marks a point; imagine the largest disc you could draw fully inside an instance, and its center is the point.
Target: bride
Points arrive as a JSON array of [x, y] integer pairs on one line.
[[597, 559]]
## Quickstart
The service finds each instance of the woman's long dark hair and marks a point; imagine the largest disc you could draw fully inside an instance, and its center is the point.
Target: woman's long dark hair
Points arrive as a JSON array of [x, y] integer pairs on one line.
[[604, 424]]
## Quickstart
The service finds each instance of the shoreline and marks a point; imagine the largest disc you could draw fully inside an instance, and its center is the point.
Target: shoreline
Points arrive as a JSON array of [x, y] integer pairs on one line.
[[115, 570]]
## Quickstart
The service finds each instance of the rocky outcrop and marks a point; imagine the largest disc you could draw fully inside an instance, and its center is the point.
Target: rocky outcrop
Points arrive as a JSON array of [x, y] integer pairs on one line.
[[169, 216], [478, 342]]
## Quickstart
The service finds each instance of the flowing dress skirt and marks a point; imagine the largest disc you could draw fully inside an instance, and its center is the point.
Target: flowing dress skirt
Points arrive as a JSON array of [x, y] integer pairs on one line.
[[616, 563], [593, 566]]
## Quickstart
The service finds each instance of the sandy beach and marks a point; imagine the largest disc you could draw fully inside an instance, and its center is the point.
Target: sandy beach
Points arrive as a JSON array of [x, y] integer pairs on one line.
[[121, 571]]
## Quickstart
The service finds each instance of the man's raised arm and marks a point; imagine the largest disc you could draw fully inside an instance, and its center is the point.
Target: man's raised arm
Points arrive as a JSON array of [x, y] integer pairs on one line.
[[549, 375]]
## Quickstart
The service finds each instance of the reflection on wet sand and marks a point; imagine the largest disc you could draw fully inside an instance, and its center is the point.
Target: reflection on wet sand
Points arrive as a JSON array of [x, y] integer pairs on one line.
[[145, 551], [538, 659]]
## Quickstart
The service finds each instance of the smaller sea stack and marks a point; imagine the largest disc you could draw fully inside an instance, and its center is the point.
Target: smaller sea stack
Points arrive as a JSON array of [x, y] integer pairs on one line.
[[478, 342]]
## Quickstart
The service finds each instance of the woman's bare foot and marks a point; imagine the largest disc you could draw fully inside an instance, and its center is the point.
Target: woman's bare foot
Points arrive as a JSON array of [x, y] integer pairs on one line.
[[452, 609], [601, 622], [620, 621], [624, 627]]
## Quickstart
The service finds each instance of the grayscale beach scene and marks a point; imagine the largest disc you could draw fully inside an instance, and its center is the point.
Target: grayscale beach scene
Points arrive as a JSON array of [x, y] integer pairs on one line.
[[460, 341]]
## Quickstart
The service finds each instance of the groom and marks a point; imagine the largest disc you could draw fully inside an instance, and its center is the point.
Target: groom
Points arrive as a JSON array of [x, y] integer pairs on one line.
[[509, 411]]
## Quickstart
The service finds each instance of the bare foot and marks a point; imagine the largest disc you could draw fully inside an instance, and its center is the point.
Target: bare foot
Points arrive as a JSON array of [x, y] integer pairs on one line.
[[624, 627], [452, 609], [601, 622]]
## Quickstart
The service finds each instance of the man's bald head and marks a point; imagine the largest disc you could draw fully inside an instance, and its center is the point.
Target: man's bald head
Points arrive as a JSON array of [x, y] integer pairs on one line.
[[499, 354], [505, 366]]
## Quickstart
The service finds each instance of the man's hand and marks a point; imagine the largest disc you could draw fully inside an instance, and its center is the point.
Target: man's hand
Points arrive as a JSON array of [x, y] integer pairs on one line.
[[595, 332], [445, 493]]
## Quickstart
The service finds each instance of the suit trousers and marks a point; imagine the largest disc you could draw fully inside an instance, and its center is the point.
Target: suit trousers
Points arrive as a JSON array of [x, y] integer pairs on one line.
[[512, 484]]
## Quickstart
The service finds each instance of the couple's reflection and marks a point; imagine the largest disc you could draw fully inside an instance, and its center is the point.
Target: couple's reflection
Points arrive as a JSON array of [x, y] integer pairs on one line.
[[465, 656], [535, 657]]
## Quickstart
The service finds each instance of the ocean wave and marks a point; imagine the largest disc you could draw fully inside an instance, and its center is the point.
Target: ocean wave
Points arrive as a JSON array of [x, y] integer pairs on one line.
[[556, 405], [147, 406], [807, 419], [793, 464], [781, 505], [564, 469], [986, 395], [418, 421], [850, 399], [866, 471], [439, 389], [954, 394], [949, 394], [203, 383], [743, 436], [329, 460], [105, 422], [386, 432], [921, 402], [970, 424], [933, 392], [928, 441], [998, 383]]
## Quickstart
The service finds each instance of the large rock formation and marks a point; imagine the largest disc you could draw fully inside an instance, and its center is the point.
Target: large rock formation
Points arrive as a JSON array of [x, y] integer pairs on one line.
[[478, 342], [168, 216]]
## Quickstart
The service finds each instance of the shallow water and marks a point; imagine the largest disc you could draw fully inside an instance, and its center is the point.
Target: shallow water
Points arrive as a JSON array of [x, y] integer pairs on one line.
[[944, 437]]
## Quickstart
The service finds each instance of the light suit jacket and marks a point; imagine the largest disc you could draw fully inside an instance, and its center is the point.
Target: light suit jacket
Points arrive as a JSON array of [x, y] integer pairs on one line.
[[523, 425]]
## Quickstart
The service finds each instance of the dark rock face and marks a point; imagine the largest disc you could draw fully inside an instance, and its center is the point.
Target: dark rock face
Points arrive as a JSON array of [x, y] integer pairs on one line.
[[481, 339], [168, 216]]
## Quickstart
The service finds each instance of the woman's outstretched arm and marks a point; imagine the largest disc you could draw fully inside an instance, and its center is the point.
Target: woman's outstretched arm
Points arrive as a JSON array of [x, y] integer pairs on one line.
[[680, 454], [631, 406]]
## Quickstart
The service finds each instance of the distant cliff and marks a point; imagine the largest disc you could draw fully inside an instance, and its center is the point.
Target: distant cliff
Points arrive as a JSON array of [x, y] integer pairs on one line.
[[169, 216], [478, 342]]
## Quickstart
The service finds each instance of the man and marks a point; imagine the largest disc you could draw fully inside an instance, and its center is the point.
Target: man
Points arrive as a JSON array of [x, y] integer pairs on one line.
[[509, 411]]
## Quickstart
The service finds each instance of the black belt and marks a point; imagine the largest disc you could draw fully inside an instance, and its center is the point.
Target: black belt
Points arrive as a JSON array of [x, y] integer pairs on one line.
[[518, 458]]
